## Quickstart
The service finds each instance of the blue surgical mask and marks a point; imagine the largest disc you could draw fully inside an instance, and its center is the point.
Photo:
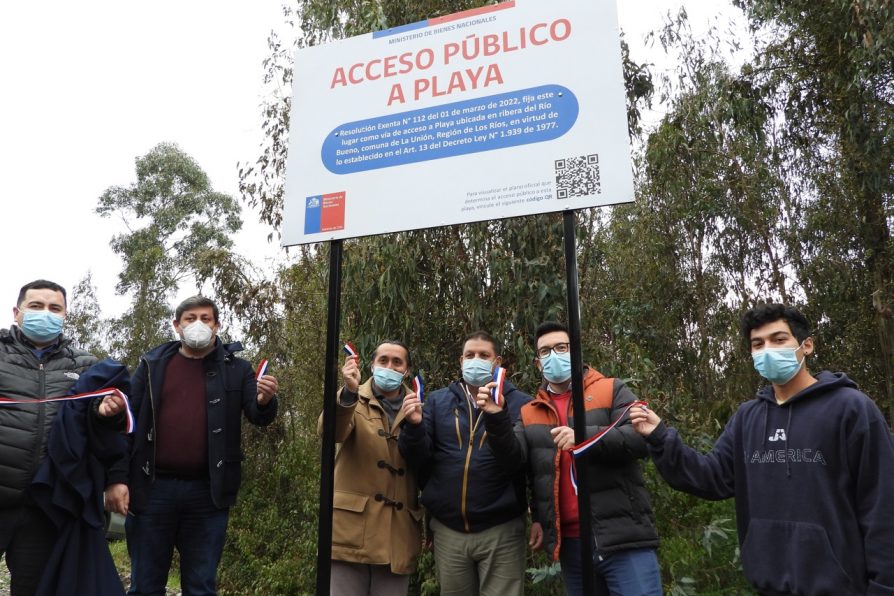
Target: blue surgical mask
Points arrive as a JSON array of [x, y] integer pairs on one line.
[[478, 372], [556, 367], [777, 365], [386, 379], [41, 326]]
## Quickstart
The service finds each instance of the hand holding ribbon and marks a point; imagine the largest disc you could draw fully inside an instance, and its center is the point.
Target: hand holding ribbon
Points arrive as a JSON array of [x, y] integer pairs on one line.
[[113, 403], [485, 400], [497, 391], [350, 372], [412, 406], [267, 384], [583, 446]]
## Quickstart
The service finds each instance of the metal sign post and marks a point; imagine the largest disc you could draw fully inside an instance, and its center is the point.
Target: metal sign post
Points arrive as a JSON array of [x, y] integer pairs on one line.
[[327, 451], [577, 401]]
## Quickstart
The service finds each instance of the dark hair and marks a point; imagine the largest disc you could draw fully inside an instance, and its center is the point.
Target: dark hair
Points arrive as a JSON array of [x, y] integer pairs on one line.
[[196, 302], [395, 342], [548, 327], [483, 336], [41, 284], [762, 314]]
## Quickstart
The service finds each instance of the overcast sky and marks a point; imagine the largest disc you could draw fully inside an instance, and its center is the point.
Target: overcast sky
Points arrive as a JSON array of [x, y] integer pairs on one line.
[[89, 86]]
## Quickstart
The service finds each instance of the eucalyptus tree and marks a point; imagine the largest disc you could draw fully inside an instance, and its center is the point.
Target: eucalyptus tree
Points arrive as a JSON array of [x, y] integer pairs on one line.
[[84, 322], [828, 69], [175, 222]]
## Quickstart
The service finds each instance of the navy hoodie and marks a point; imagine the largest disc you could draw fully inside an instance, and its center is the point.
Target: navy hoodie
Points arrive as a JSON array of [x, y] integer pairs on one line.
[[813, 480]]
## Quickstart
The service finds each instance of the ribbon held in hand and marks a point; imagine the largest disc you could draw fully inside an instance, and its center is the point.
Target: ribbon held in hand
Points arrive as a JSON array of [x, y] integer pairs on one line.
[[582, 447], [262, 369], [418, 387], [497, 392], [93, 394]]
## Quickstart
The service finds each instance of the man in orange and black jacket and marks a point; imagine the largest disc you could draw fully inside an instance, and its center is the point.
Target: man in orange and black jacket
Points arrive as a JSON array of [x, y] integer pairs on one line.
[[624, 536]]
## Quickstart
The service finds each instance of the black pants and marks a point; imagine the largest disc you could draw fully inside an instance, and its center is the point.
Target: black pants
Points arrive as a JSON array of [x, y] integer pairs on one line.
[[27, 538]]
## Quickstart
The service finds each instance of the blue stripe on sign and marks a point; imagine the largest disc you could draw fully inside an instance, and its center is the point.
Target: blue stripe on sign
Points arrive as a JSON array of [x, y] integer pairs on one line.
[[313, 211], [401, 29]]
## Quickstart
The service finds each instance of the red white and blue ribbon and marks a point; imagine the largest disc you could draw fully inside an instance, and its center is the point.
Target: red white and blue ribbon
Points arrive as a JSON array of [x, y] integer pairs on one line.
[[583, 446], [418, 387], [497, 392], [93, 394], [350, 350], [262, 369]]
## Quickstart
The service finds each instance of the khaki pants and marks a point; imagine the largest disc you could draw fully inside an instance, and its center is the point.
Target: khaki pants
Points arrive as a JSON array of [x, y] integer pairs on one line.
[[357, 579], [486, 563]]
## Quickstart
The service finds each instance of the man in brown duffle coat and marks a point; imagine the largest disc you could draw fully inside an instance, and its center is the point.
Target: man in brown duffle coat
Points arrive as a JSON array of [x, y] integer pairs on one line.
[[376, 520]]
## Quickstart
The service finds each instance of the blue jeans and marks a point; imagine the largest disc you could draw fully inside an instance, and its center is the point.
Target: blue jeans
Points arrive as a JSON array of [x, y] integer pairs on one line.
[[180, 514], [623, 573]]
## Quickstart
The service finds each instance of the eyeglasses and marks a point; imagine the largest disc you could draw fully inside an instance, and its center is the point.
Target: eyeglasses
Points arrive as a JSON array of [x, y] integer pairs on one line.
[[560, 348]]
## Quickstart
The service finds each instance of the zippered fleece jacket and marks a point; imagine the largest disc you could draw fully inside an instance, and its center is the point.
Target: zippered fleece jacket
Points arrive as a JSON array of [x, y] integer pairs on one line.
[[621, 515], [24, 428], [813, 480], [465, 487]]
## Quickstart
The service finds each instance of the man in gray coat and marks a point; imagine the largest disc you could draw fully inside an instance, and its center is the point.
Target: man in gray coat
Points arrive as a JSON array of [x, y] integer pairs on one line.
[[36, 362]]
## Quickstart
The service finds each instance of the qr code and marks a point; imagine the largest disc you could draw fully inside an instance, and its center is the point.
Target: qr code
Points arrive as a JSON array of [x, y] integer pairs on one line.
[[578, 176]]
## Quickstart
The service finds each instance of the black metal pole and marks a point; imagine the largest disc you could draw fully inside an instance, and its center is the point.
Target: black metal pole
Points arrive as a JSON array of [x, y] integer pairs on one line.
[[327, 451], [577, 402]]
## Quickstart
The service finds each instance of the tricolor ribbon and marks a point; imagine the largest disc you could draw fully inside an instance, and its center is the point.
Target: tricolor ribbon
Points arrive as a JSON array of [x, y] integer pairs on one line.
[[102, 393], [350, 350], [497, 392], [583, 446], [262, 369], [418, 387]]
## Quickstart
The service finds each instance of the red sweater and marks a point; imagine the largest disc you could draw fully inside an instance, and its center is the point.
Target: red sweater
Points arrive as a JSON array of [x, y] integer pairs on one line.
[[568, 511], [183, 419]]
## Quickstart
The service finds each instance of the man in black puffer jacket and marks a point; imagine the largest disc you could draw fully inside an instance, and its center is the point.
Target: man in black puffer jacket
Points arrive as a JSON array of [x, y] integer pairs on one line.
[[36, 361]]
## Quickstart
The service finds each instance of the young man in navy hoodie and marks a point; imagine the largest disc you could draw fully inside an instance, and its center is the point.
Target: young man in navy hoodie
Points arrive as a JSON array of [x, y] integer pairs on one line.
[[810, 463]]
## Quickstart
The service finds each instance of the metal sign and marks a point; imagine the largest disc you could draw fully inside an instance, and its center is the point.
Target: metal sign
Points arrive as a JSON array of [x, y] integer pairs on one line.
[[512, 109]]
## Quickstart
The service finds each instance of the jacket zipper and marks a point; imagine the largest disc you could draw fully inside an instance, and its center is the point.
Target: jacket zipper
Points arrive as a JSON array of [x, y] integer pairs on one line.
[[469, 447], [557, 466], [569, 415], [152, 430], [41, 416]]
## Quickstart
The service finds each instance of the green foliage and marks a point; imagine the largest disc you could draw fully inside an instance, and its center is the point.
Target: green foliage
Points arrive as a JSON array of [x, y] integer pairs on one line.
[[498, 276], [271, 544], [551, 572], [83, 321], [827, 71]]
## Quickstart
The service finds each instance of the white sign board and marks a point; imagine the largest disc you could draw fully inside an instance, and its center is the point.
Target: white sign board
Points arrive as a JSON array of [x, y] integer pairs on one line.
[[512, 109]]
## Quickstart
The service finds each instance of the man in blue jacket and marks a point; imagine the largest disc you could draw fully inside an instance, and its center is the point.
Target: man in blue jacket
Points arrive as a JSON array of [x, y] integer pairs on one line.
[[477, 506], [184, 468], [810, 463]]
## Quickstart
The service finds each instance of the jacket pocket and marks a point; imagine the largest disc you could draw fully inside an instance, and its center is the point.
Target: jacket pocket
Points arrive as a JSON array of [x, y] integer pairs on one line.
[[793, 557], [232, 475], [349, 519]]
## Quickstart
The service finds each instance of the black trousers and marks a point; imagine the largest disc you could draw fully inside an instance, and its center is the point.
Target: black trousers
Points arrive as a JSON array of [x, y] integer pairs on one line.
[[27, 538]]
